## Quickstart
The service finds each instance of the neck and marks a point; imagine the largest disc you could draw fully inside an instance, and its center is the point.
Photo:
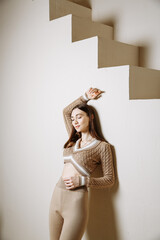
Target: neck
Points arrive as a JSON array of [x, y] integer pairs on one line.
[[86, 136]]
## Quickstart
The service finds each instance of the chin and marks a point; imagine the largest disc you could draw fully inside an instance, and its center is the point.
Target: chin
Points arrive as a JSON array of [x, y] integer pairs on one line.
[[78, 130]]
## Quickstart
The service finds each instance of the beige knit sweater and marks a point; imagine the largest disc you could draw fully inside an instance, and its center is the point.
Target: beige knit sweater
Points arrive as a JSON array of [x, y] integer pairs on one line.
[[86, 159]]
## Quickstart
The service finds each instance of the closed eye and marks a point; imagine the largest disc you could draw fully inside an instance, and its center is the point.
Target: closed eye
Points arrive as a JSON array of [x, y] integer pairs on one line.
[[78, 117]]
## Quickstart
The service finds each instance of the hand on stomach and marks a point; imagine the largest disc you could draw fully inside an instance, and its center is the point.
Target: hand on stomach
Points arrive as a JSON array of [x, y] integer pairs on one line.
[[70, 176]]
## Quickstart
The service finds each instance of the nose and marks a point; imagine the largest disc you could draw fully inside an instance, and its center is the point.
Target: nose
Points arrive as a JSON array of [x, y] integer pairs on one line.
[[75, 122]]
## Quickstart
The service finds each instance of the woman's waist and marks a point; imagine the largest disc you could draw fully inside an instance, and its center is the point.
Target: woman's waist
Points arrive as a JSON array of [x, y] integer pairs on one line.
[[79, 169], [62, 185], [69, 170]]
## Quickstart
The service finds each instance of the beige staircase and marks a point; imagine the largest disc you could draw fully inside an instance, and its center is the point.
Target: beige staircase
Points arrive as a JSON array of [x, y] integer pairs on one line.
[[113, 53], [59, 8], [144, 83], [84, 28]]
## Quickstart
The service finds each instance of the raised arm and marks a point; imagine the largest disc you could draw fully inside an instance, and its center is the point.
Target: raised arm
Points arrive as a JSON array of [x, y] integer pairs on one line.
[[68, 110], [92, 93]]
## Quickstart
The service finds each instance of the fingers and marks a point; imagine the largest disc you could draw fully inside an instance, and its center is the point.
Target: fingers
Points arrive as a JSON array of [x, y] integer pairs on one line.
[[69, 183], [94, 90], [94, 93]]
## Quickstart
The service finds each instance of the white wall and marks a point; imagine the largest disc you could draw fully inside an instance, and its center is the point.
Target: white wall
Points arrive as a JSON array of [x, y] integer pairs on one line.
[[42, 72]]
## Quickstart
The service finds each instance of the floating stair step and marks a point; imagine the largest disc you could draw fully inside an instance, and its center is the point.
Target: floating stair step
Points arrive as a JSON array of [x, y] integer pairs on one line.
[[82, 3], [83, 28], [113, 53], [144, 83], [60, 8]]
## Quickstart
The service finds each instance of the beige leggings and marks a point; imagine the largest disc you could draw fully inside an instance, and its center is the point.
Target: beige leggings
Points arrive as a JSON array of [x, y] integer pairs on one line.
[[68, 213]]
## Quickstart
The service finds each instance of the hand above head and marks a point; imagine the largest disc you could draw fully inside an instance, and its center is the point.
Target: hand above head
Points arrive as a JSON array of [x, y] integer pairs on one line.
[[93, 93]]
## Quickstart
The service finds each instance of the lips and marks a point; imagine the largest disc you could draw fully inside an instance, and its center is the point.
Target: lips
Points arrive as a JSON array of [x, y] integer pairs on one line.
[[77, 126]]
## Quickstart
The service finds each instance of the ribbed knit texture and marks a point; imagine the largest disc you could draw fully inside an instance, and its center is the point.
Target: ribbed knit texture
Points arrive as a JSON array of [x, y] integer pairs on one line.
[[90, 157]]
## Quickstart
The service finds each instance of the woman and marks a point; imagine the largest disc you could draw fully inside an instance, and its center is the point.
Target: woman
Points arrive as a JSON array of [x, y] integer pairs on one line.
[[84, 150]]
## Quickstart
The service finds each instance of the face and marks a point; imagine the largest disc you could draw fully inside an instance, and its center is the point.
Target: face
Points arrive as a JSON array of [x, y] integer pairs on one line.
[[80, 120]]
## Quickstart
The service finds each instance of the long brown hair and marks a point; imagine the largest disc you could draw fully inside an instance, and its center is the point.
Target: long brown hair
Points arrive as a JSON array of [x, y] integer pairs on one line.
[[74, 136]]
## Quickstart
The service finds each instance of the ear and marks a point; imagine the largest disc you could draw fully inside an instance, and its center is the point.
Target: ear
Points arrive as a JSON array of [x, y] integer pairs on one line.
[[92, 116]]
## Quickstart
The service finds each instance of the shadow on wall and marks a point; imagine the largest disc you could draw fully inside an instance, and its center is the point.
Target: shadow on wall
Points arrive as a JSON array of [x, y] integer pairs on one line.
[[0, 227], [143, 55], [102, 217]]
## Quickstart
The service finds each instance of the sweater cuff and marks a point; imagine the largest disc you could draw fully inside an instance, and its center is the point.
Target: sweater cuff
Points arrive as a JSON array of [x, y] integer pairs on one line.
[[85, 97], [84, 181]]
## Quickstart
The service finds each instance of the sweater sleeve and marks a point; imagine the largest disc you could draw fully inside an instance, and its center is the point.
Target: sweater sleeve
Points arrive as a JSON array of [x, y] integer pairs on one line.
[[107, 168], [68, 110]]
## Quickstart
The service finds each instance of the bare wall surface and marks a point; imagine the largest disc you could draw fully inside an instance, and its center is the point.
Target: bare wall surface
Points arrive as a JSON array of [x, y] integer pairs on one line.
[[42, 72]]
